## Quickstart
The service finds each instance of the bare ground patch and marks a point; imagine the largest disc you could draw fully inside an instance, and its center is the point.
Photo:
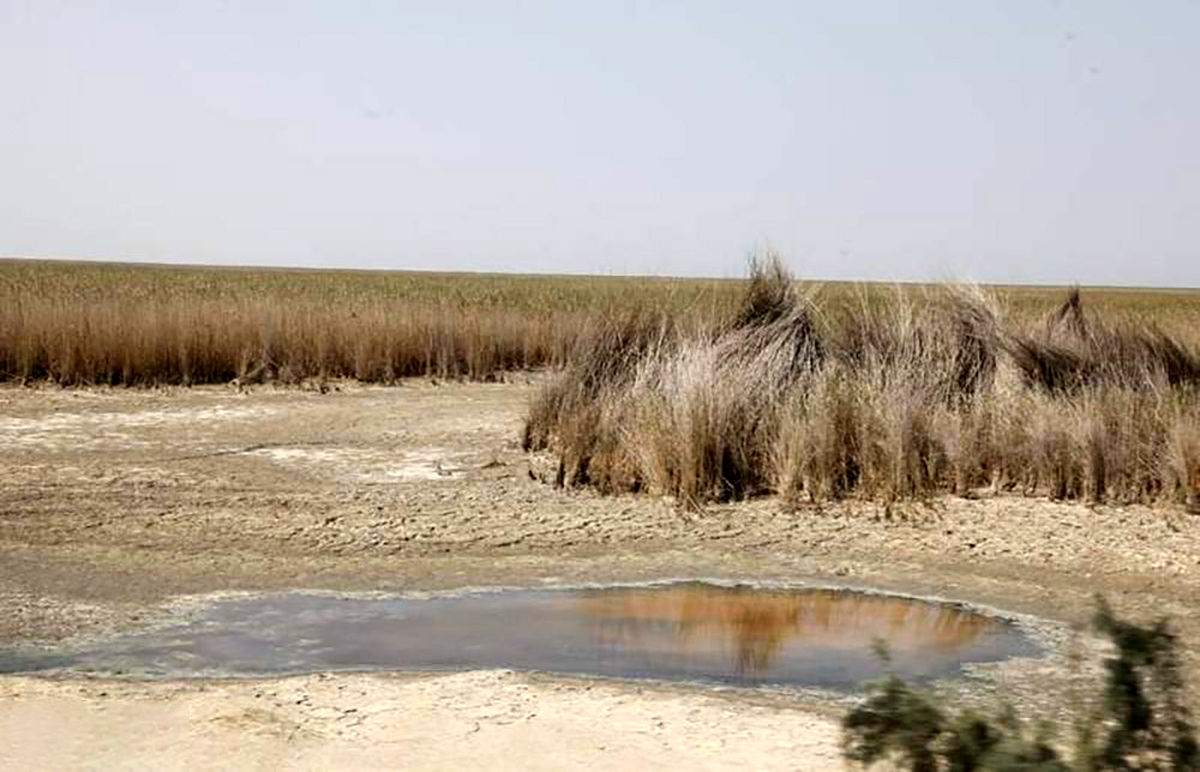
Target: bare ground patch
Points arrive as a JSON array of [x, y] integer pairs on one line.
[[105, 520]]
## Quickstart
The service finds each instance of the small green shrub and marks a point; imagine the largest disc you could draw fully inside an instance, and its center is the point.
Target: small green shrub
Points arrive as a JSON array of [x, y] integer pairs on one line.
[[1139, 721]]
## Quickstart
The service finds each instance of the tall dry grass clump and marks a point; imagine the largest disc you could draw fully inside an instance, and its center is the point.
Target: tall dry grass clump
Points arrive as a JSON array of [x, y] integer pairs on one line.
[[882, 396], [699, 416], [1075, 349], [890, 416], [687, 413], [569, 411]]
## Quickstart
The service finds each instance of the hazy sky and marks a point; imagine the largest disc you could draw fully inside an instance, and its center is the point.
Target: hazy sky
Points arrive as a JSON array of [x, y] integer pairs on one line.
[[1015, 141]]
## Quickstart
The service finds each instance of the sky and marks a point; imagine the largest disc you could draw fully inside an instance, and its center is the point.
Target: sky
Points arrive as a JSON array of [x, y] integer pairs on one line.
[[1020, 141]]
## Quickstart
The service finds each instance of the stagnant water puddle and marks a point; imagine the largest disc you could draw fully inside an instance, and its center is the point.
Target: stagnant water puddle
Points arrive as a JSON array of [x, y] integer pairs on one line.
[[683, 631]]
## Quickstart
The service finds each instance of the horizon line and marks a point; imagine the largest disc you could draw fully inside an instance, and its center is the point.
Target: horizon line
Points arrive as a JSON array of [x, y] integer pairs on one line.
[[186, 264]]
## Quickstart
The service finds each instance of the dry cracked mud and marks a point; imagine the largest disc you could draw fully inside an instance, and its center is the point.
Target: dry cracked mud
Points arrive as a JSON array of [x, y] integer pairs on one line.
[[118, 505]]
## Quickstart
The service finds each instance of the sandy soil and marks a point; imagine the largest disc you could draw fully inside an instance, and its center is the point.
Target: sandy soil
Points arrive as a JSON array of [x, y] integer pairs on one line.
[[115, 503], [498, 719]]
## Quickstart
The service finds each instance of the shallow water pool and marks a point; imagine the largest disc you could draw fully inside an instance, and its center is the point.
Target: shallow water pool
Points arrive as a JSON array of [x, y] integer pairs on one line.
[[690, 631]]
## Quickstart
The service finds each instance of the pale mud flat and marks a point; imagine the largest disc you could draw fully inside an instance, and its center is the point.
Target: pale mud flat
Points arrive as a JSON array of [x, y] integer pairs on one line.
[[117, 504], [489, 719]]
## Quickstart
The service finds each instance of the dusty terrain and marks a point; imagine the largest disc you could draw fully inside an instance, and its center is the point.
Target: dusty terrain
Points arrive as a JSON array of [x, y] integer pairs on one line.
[[462, 721], [115, 503]]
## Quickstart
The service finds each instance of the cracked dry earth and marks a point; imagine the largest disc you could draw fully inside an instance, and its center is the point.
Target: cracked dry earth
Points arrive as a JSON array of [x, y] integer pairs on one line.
[[115, 505]]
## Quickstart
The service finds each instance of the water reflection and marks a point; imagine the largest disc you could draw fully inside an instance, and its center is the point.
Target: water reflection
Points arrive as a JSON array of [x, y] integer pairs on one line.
[[688, 631], [697, 619]]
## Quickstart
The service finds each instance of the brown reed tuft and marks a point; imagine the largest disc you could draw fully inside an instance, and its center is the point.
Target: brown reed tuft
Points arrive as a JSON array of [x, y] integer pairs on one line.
[[884, 396]]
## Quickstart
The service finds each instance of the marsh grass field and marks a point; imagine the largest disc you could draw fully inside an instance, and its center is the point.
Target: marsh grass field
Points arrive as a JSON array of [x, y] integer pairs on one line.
[[80, 324], [702, 390], [89, 323]]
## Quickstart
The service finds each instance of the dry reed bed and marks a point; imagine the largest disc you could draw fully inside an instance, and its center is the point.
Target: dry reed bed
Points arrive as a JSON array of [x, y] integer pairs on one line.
[[684, 387], [218, 341], [89, 323], [880, 396]]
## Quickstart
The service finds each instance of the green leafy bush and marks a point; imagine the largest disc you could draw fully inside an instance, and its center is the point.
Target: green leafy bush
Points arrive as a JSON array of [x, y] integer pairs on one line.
[[1139, 721]]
